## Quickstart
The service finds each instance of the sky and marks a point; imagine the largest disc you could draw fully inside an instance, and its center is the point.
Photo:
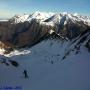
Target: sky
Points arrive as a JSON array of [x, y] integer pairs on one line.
[[9, 8]]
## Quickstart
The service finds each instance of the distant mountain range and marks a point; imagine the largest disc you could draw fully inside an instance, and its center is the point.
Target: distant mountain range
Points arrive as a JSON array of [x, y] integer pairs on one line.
[[50, 17], [4, 19]]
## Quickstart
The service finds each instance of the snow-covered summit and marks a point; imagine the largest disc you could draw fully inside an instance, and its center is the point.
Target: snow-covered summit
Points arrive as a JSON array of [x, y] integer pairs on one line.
[[40, 16], [50, 17], [37, 15], [19, 18]]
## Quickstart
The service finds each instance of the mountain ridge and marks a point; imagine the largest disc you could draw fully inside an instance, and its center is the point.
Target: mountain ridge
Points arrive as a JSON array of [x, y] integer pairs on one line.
[[27, 30], [44, 15]]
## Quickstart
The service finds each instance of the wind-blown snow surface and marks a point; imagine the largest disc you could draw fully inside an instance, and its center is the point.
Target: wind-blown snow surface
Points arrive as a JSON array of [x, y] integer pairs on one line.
[[46, 69]]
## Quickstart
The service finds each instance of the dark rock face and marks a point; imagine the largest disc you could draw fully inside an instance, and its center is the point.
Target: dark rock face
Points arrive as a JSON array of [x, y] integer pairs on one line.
[[21, 34], [28, 33], [7, 61], [71, 29]]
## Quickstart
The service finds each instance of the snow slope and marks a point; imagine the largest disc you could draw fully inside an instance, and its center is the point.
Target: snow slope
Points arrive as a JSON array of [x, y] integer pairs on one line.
[[46, 68]]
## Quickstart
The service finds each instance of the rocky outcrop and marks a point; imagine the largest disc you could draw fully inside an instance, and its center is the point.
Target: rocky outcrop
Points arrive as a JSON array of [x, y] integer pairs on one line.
[[22, 34], [71, 29]]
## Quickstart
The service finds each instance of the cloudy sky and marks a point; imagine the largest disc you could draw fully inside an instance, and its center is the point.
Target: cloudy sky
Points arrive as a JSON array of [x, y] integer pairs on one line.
[[9, 8]]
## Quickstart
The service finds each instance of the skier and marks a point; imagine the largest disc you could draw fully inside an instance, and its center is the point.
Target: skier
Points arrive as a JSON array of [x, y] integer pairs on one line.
[[25, 74]]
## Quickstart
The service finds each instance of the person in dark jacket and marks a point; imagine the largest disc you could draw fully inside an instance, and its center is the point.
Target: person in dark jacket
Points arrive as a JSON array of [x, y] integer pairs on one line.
[[25, 74]]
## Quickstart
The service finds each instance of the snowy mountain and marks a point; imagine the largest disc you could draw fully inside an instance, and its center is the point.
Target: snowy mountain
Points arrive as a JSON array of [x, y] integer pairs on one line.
[[37, 15], [26, 30], [50, 17], [45, 51]]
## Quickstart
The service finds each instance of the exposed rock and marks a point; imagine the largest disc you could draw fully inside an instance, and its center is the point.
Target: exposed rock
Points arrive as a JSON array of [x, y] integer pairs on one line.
[[21, 34], [28, 33]]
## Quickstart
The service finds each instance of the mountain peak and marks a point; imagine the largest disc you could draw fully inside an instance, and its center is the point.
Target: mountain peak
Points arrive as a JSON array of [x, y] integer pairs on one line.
[[52, 17]]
